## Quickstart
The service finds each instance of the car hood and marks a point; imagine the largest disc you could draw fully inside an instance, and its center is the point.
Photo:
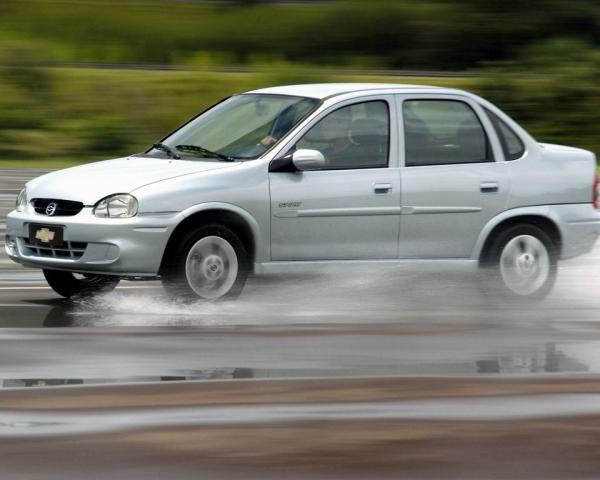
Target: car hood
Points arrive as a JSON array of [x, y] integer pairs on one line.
[[94, 181]]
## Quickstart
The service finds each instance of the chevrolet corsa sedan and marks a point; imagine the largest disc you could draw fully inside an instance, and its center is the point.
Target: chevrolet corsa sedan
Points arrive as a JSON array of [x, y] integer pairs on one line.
[[278, 177]]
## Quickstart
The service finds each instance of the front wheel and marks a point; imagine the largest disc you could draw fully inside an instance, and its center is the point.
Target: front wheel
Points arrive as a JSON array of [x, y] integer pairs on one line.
[[209, 263], [69, 284], [521, 264]]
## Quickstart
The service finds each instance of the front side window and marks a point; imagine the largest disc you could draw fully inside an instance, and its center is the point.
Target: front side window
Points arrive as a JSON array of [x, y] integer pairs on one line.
[[355, 136], [442, 132], [243, 127], [512, 145]]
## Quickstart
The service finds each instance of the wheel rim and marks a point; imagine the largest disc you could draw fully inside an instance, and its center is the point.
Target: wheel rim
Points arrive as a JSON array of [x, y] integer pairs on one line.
[[211, 267], [525, 264], [87, 277]]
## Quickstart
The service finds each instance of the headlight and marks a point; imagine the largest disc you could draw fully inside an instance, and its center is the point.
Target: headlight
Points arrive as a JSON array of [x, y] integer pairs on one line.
[[121, 205], [22, 200]]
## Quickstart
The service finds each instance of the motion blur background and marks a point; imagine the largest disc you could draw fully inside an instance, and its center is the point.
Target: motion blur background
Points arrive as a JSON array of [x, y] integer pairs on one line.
[[87, 79]]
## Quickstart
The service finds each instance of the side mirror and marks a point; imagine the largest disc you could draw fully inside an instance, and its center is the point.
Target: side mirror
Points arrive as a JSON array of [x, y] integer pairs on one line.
[[305, 159]]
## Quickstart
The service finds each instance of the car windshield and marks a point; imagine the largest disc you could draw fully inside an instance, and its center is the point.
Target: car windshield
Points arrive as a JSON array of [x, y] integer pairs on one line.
[[242, 127]]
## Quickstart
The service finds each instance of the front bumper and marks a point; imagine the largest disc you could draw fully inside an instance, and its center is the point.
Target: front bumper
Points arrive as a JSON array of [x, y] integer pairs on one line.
[[127, 247]]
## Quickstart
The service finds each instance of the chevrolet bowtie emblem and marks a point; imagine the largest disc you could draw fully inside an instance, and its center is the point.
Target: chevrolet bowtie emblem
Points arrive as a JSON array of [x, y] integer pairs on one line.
[[44, 235]]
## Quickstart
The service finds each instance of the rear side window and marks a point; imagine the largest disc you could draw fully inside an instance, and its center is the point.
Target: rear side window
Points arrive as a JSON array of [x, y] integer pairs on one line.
[[512, 145], [443, 132]]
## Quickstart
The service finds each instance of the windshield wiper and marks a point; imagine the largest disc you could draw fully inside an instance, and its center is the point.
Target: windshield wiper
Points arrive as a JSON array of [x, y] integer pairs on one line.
[[168, 150], [204, 151]]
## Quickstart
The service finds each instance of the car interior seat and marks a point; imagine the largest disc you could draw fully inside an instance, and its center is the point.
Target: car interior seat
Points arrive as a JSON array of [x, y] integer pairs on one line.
[[370, 139], [471, 141], [418, 140]]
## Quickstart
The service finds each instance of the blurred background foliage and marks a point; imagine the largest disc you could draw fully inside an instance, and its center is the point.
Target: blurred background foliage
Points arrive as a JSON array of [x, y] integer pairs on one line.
[[88, 79]]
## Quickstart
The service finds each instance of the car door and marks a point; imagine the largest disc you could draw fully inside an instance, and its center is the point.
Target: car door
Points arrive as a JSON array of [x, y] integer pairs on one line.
[[453, 176], [349, 209]]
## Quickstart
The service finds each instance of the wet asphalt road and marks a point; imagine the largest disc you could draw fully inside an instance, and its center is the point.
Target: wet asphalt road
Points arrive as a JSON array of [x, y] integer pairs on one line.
[[370, 372]]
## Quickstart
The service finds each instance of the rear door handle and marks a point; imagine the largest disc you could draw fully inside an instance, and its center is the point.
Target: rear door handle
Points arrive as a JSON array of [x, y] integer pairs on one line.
[[488, 187], [382, 188]]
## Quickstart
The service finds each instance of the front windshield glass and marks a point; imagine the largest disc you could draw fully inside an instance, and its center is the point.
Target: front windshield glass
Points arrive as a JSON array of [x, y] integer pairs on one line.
[[242, 127]]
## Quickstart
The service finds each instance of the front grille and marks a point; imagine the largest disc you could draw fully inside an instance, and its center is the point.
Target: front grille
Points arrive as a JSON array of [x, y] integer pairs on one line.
[[69, 250], [64, 208]]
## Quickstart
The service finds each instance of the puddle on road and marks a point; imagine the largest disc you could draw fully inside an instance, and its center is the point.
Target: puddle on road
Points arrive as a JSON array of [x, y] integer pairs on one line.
[[544, 359], [208, 374], [394, 323]]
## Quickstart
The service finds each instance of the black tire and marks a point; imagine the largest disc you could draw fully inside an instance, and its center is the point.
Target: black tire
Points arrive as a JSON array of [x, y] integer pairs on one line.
[[494, 283], [175, 280], [68, 285]]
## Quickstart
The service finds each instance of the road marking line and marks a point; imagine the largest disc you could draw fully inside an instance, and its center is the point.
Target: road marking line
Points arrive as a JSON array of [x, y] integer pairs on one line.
[[48, 288], [24, 288], [24, 305], [32, 423]]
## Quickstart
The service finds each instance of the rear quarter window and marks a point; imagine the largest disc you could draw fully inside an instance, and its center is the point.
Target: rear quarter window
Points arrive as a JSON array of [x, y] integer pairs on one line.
[[512, 146]]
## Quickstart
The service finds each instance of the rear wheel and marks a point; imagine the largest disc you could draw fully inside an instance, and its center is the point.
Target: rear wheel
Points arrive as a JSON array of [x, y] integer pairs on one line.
[[69, 284], [208, 263], [521, 263]]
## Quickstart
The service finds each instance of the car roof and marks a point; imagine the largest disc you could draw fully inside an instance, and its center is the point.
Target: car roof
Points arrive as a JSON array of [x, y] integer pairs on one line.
[[326, 90]]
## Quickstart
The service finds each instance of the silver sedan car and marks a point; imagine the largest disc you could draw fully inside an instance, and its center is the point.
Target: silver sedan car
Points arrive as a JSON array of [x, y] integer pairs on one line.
[[275, 178]]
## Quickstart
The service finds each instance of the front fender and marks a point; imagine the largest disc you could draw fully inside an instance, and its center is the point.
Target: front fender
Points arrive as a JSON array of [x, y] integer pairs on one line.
[[260, 235]]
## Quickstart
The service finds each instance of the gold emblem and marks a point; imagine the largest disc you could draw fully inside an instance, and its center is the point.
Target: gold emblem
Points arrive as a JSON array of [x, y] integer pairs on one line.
[[44, 235]]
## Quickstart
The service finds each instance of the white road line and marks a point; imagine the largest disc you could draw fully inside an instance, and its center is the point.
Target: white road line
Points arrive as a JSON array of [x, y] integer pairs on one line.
[[24, 423], [24, 288], [24, 305], [140, 287]]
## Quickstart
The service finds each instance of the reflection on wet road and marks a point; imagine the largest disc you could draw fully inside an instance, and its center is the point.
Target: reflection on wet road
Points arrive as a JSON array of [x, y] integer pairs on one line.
[[368, 372], [425, 346], [357, 375]]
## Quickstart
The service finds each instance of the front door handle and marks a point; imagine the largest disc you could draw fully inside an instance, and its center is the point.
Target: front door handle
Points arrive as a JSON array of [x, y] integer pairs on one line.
[[488, 187], [382, 188]]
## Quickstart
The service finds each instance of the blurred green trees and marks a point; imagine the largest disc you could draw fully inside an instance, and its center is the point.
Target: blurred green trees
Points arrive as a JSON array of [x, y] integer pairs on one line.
[[539, 60]]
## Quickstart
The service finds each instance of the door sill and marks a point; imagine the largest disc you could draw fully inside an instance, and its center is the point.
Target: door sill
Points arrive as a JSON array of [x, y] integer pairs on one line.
[[316, 266]]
